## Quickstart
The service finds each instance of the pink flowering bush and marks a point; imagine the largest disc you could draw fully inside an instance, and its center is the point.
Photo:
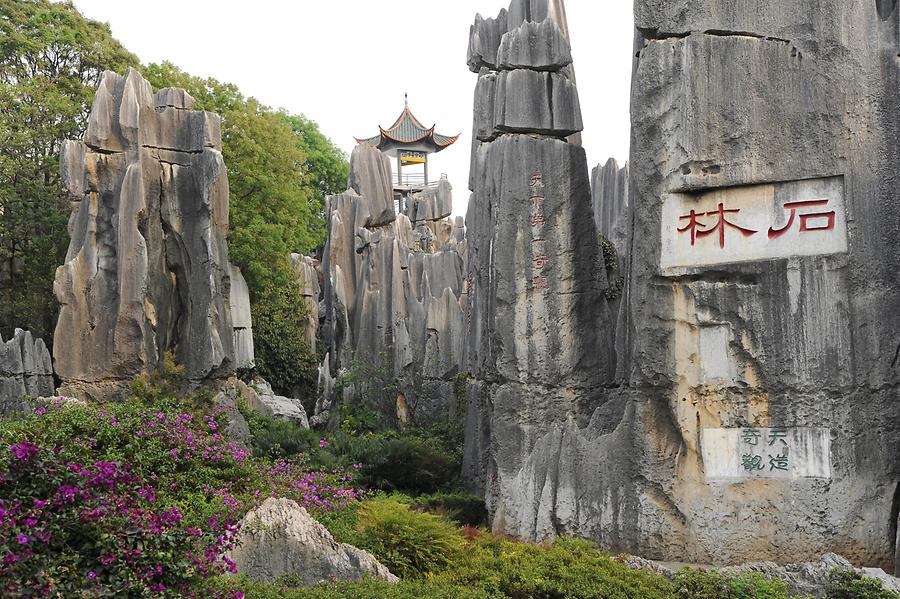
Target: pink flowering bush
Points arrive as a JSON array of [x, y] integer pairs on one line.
[[139, 498]]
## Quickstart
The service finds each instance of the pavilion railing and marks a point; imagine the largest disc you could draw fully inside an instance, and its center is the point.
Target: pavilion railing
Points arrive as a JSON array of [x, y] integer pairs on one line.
[[414, 180]]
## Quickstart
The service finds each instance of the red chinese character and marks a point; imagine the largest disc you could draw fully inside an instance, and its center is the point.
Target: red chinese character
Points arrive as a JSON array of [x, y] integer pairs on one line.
[[804, 218], [693, 223], [540, 261], [723, 222], [537, 179], [541, 283], [536, 201], [537, 220]]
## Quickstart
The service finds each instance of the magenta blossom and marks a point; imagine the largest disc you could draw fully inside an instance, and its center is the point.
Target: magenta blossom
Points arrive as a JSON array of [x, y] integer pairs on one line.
[[24, 450]]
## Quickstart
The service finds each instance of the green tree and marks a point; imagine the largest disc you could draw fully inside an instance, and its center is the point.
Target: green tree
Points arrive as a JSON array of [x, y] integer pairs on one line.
[[280, 168], [51, 60]]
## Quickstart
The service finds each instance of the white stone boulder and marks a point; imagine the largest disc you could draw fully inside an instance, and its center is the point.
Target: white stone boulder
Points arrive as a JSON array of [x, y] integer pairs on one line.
[[279, 537]]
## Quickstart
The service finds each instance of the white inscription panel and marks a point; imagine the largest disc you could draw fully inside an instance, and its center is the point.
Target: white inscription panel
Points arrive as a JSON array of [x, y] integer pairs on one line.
[[752, 223], [780, 453]]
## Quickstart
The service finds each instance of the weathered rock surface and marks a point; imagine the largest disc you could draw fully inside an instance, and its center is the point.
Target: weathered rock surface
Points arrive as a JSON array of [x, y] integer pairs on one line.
[[279, 406], [535, 45], [612, 215], [729, 94], [241, 319], [307, 271], [25, 371], [393, 293], [538, 286], [279, 538], [804, 579], [673, 447], [147, 268]]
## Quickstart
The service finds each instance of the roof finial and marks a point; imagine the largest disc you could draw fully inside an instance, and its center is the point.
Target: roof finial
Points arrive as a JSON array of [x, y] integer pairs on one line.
[[406, 100]]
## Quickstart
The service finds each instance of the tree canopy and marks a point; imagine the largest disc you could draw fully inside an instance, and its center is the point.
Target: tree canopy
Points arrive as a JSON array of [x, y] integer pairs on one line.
[[51, 60], [280, 169], [280, 166]]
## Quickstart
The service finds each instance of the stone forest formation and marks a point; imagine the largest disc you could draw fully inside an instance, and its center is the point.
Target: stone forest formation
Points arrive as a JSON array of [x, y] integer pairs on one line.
[[690, 357]]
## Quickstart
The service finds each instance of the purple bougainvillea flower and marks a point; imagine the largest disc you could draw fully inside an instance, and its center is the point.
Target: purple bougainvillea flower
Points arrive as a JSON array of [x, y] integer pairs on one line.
[[24, 450]]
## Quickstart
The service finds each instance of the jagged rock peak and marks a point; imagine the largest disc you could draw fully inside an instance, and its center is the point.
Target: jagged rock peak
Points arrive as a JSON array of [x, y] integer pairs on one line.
[[540, 46], [370, 177], [160, 279], [486, 35], [25, 370]]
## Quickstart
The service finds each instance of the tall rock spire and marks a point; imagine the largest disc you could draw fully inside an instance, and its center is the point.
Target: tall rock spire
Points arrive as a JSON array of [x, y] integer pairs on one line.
[[536, 266]]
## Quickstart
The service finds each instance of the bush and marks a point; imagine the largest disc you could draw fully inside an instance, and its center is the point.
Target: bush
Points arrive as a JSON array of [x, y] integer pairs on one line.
[[283, 357], [699, 584], [387, 461], [409, 543], [844, 583], [367, 589], [565, 569], [461, 507], [136, 498]]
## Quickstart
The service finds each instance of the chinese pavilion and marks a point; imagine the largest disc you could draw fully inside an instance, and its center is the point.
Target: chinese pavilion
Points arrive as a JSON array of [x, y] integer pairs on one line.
[[410, 143]]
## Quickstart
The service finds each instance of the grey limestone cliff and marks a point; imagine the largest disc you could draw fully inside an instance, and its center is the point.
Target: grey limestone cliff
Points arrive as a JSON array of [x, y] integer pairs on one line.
[[147, 268], [749, 410], [539, 357], [393, 292], [25, 371]]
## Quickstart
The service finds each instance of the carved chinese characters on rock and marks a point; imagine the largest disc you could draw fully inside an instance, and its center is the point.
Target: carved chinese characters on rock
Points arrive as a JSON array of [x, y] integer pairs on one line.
[[767, 453], [540, 262], [751, 223]]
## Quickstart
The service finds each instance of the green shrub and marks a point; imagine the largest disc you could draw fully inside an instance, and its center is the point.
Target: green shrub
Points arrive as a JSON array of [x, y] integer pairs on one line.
[[407, 463], [568, 568], [844, 583], [461, 507], [389, 461], [699, 584], [409, 543], [283, 357], [342, 524], [367, 589]]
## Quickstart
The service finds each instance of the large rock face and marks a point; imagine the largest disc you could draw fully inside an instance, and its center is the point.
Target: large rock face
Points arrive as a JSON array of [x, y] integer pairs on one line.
[[147, 267], [279, 538], [394, 295], [613, 215], [756, 412], [785, 120], [538, 356], [25, 371]]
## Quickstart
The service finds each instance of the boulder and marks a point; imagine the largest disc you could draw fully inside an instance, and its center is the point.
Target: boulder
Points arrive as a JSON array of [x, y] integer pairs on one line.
[[278, 406], [280, 538]]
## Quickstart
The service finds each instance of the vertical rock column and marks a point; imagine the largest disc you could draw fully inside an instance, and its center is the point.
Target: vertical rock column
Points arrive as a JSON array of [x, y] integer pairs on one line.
[[25, 371], [393, 297], [765, 277], [147, 267], [537, 356]]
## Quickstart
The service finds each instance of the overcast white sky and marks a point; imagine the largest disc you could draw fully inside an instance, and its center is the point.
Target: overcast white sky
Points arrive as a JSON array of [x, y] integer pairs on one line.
[[347, 63]]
